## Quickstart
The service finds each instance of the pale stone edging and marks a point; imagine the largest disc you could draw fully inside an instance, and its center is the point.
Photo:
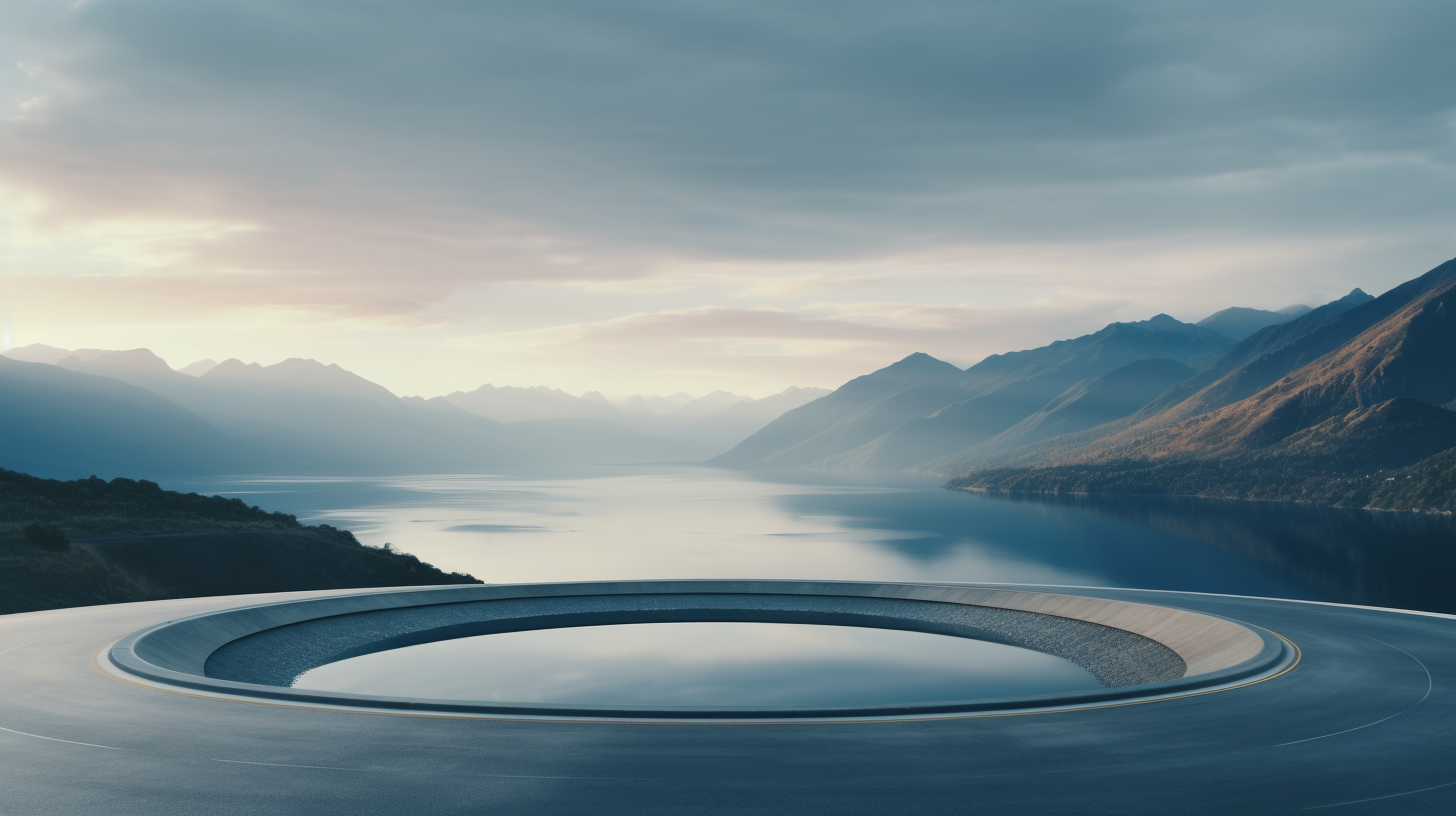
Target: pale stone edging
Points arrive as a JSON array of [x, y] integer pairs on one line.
[[1218, 652]]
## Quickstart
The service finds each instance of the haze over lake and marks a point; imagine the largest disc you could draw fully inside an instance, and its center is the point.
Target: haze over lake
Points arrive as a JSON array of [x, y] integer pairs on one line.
[[646, 521]]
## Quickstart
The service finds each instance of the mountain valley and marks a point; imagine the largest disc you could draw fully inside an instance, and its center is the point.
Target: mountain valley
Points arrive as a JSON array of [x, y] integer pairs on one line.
[[1346, 404]]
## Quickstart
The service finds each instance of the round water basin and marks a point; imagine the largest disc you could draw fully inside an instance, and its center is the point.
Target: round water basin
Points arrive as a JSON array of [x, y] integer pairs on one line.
[[705, 664]]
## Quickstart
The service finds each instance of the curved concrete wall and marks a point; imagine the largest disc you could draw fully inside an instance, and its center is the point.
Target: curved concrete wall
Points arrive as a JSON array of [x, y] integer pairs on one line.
[[255, 650], [1206, 644], [277, 656]]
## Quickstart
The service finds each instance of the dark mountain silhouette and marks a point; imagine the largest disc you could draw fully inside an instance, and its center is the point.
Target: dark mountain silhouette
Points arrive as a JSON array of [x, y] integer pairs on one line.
[[921, 409]]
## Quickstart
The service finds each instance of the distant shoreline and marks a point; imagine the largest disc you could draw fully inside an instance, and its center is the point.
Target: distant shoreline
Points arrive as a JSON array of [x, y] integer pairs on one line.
[[1423, 488]]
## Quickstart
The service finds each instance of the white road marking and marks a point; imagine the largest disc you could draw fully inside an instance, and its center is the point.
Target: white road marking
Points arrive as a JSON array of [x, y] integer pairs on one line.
[[1430, 684], [284, 765], [530, 776], [49, 739], [56, 739], [488, 776], [1378, 798]]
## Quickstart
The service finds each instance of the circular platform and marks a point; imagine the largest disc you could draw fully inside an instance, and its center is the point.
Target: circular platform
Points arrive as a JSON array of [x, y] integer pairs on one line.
[[1136, 651], [1364, 722]]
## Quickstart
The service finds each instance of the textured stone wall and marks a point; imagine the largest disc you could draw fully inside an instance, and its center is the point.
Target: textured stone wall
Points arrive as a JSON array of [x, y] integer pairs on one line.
[[276, 656]]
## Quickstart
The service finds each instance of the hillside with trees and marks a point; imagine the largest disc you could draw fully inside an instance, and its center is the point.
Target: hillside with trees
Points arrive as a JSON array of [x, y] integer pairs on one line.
[[92, 541]]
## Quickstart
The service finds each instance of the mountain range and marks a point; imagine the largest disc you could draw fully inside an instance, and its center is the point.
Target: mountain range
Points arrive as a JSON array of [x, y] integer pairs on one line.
[[1238, 322], [1350, 403], [921, 408], [68, 414]]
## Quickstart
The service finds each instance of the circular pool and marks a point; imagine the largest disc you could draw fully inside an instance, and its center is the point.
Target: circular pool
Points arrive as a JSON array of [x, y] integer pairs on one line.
[[786, 665], [800, 650]]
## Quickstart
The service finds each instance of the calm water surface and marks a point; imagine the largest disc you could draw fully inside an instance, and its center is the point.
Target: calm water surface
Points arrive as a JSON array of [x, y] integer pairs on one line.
[[692, 522], [705, 664]]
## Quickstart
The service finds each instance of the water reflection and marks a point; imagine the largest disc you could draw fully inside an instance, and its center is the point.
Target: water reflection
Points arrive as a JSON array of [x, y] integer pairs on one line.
[[692, 522], [1402, 560], [705, 664]]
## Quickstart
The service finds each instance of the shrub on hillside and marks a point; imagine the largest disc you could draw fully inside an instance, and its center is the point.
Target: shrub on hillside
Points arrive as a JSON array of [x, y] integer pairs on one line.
[[46, 535]]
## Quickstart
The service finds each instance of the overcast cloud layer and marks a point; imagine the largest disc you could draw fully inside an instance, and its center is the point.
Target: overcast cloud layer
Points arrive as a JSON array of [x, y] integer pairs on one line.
[[690, 195]]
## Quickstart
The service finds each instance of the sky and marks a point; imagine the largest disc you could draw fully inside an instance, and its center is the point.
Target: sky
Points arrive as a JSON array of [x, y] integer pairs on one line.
[[651, 196]]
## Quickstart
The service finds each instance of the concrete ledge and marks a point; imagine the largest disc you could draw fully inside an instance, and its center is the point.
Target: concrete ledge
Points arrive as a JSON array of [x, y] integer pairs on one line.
[[1137, 651]]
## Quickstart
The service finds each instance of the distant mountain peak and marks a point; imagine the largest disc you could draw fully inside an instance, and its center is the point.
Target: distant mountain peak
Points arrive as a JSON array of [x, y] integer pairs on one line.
[[512, 403], [796, 390], [198, 368], [140, 357], [232, 366], [919, 361], [39, 353], [302, 364], [1240, 322], [1157, 324], [50, 355], [140, 360]]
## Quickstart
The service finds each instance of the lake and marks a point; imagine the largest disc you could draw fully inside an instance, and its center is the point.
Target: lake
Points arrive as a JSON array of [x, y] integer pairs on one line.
[[631, 522], [634, 522]]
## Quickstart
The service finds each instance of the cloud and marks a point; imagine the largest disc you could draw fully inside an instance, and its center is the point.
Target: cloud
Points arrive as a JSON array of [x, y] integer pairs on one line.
[[726, 128], [385, 160], [833, 340]]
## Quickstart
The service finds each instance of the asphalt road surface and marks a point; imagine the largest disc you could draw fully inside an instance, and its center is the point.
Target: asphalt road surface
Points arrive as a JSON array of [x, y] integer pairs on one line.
[[1365, 723]]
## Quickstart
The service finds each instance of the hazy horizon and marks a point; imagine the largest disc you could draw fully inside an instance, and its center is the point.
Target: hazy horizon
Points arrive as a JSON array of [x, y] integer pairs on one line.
[[615, 396]]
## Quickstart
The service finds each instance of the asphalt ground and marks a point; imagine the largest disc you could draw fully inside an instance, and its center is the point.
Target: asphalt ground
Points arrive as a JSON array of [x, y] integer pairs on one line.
[[1364, 723]]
